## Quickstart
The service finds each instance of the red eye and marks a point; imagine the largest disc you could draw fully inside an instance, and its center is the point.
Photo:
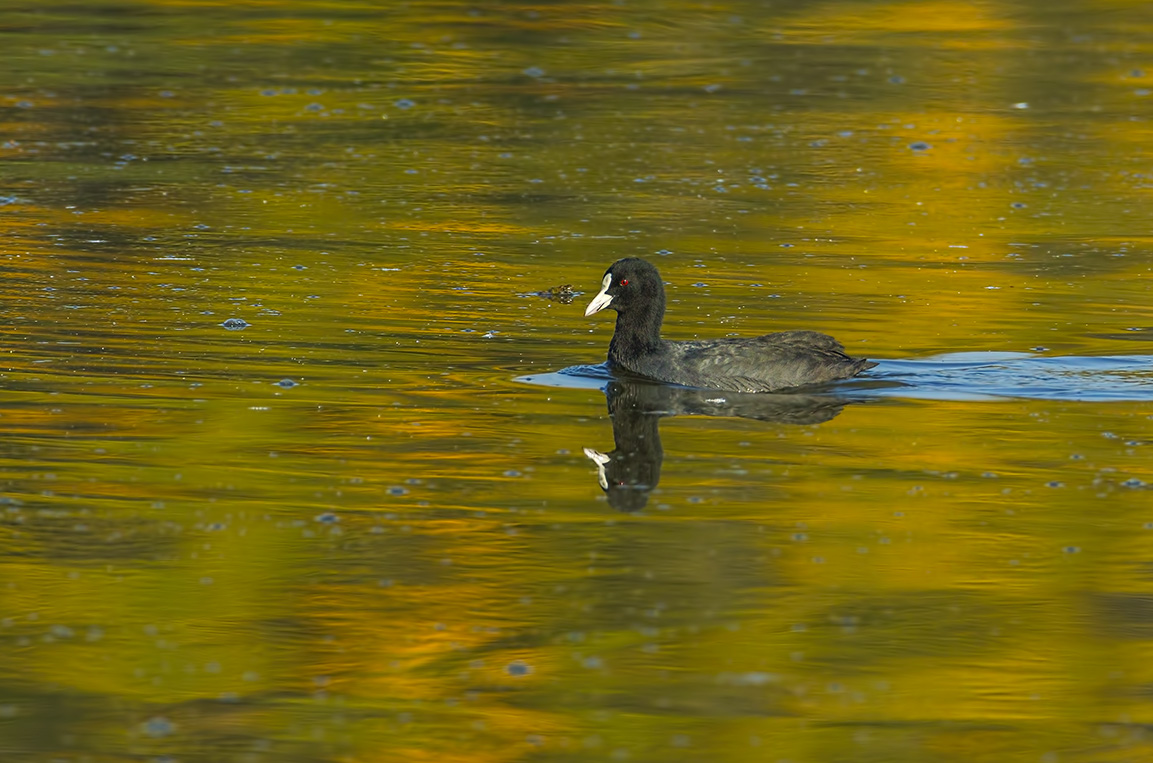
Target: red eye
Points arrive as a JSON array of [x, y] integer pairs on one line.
[[624, 282]]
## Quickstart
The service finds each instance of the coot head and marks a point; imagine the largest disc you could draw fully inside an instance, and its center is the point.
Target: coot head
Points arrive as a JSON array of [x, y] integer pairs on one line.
[[630, 285]]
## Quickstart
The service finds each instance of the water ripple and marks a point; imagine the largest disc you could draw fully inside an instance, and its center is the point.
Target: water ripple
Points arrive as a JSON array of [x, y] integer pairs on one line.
[[962, 376]]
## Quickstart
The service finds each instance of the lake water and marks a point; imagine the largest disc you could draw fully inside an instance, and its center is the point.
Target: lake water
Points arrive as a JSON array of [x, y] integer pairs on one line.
[[306, 456]]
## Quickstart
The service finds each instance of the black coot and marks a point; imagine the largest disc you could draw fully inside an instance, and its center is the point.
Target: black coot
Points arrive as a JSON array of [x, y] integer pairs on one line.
[[766, 363]]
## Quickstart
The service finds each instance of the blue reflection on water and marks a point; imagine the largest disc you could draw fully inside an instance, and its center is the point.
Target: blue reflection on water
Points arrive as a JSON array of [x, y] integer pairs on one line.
[[960, 376]]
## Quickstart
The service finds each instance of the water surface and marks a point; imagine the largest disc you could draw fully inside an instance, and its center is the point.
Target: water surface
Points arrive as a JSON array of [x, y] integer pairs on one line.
[[292, 471]]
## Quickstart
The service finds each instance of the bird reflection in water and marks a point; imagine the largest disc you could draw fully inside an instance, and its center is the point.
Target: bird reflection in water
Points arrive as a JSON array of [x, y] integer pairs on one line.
[[630, 471]]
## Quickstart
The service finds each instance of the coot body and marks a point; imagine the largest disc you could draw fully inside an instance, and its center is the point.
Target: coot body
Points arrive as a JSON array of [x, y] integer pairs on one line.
[[781, 360]]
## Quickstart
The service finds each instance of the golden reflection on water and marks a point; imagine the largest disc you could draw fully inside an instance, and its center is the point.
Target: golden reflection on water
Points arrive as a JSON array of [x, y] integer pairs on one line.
[[347, 532]]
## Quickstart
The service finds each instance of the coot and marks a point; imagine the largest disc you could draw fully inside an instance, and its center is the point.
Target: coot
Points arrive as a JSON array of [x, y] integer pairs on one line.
[[766, 363]]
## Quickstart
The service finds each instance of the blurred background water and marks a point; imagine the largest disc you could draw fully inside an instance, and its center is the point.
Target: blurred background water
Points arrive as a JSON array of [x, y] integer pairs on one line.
[[295, 466]]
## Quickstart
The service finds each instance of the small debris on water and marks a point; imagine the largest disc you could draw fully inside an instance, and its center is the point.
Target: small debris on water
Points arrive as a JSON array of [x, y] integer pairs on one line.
[[563, 293], [235, 324], [286, 383]]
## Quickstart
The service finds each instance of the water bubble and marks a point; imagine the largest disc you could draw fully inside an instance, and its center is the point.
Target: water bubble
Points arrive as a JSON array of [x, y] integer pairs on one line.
[[158, 726], [518, 668]]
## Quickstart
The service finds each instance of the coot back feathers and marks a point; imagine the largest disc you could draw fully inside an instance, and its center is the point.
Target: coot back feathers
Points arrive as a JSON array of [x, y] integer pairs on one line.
[[776, 361]]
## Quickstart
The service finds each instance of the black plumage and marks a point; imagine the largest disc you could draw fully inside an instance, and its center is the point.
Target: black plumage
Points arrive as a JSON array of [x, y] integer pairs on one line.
[[781, 360]]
